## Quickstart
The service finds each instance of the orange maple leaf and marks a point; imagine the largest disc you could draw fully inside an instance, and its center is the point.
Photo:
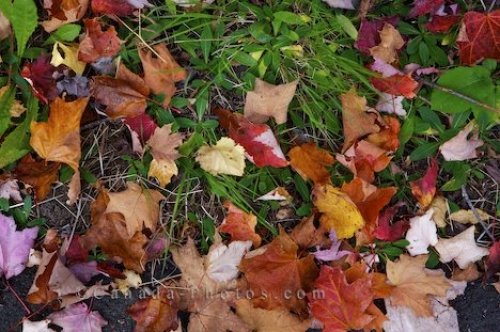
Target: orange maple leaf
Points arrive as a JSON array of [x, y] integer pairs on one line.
[[240, 225], [310, 162], [37, 173], [155, 314]]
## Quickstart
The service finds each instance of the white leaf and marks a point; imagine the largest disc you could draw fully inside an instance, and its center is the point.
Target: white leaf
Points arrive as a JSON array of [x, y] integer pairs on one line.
[[344, 4], [222, 261], [422, 233], [39, 326], [390, 104], [461, 248], [461, 148]]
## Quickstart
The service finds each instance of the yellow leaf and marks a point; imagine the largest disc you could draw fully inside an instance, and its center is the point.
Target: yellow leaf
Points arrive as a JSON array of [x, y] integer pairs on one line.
[[68, 58], [467, 216], [339, 213], [163, 170], [226, 157]]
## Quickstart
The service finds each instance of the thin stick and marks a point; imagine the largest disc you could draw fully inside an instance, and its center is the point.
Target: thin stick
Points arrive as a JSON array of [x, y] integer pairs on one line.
[[465, 195], [459, 95], [18, 298]]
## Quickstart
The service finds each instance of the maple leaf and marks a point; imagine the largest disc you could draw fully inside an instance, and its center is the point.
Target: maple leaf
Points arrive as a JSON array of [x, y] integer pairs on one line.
[[112, 7], [96, 43], [37, 326], [39, 74], [63, 11], [388, 137], [154, 314], [467, 216], [143, 125], [461, 248], [59, 138], [397, 85], [263, 320], [14, 247], [124, 96], [339, 213], [422, 7], [440, 206], [307, 235], [222, 261], [259, 142], [37, 173], [390, 104], [161, 72], [442, 24], [225, 157], [78, 317], [387, 232], [333, 253], [69, 57], [240, 225], [463, 145], [368, 34], [479, 37], [470, 273], [390, 42], [132, 280], [310, 162], [414, 284], [422, 234], [425, 188], [357, 122], [344, 305], [276, 270], [493, 261], [267, 100]]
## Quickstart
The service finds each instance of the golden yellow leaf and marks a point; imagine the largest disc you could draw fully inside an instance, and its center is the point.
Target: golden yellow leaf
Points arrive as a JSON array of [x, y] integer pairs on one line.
[[467, 216], [59, 138], [440, 206], [414, 284], [339, 213], [68, 58], [391, 41], [162, 170], [268, 100], [226, 157]]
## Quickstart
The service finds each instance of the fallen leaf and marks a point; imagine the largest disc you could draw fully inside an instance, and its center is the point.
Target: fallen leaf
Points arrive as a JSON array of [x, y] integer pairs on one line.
[[493, 261], [38, 326], [462, 146], [344, 304], [225, 157], [9, 190], [161, 71], [422, 7], [132, 280], [387, 232], [357, 122], [155, 314], [78, 317], [267, 100], [368, 34], [388, 136], [262, 320], [59, 138], [470, 273], [222, 261], [39, 74], [422, 234], [425, 188], [113, 7], [461, 248], [390, 42], [333, 253], [307, 234], [68, 57], [240, 225], [96, 43], [163, 171], [275, 273], [143, 124], [14, 247], [479, 37], [311, 162], [442, 24], [391, 104], [37, 173], [397, 85], [339, 213], [259, 141], [344, 4], [413, 284], [277, 194], [62, 12], [124, 96], [440, 206], [217, 316], [468, 217]]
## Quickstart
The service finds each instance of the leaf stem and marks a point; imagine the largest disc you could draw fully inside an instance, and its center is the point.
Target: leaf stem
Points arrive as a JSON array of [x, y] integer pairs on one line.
[[18, 298]]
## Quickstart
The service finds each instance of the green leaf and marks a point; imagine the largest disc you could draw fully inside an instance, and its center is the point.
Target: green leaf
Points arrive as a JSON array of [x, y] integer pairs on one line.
[[424, 150], [66, 33], [16, 144], [6, 102], [206, 42], [472, 82], [23, 17], [433, 260], [347, 26], [289, 18]]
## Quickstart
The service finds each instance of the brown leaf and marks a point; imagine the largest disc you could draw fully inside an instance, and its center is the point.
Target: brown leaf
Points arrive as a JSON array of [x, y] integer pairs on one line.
[[164, 143], [413, 284], [357, 122], [63, 11], [154, 314], [161, 71], [310, 162], [275, 269], [96, 43], [262, 320], [390, 42], [470, 273], [38, 174], [268, 100], [215, 315], [59, 138], [123, 96], [307, 235]]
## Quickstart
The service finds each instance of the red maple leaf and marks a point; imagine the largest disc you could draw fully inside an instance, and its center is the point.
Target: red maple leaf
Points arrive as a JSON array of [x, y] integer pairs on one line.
[[144, 125], [398, 85], [368, 35], [112, 7], [479, 37], [422, 7], [387, 232], [425, 188], [97, 43], [39, 75], [442, 24]]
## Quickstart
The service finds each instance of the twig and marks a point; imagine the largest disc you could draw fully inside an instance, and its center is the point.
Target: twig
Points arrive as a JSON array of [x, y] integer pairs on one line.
[[18, 298], [465, 195], [459, 95]]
